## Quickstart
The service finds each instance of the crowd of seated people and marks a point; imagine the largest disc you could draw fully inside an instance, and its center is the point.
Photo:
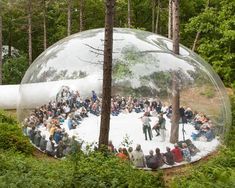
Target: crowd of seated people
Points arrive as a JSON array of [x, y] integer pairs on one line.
[[58, 145], [180, 153], [69, 107], [204, 129]]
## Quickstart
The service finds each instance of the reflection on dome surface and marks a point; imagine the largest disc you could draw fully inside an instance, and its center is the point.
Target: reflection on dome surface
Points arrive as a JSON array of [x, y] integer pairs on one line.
[[143, 64]]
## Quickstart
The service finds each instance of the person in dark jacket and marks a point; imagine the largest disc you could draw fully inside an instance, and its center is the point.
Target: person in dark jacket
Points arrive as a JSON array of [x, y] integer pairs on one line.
[[43, 143], [159, 157], [169, 157], [146, 126], [151, 161], [37, 138], [60, 149]]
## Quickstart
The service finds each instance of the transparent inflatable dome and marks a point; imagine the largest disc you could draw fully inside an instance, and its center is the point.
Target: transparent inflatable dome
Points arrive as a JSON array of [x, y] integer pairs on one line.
[[143, 65]]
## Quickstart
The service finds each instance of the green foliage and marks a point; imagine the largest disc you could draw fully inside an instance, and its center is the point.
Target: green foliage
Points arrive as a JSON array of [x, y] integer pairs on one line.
[[6, 118], [17, 170], [229, 139], [99, 170], [217, 38], [95, 170], [14, 69], [120, 71], [11, 136], [126, 141]]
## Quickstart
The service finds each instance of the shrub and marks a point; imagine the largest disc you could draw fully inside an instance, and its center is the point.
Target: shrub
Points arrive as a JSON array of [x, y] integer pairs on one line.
[[98, 170], [95, 170], [14, 69], [19, 170], [11, 136], [5, 118]]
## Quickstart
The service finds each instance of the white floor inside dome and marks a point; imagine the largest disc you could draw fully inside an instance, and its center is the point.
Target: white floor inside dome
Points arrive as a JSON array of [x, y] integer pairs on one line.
[[130, 125]]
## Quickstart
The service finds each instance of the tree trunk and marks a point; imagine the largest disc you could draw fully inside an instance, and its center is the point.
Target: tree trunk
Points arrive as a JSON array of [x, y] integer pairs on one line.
[[196, 40], [174, 137], [107, 74], [176, 24], [69, 18], [170, 19], [153, 14], [199, 31], [10, 38], [158, 16], [129, 14], [1, 76], [175, 82], [81, 15], [44, 25], [30, 31]]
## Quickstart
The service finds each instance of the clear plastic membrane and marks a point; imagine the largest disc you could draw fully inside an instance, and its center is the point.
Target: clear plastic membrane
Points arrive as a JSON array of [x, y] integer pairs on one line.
[[143, 65]]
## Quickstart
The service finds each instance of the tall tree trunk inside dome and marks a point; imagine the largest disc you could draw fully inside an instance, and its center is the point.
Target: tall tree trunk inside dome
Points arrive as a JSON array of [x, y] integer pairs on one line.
[[107, 74], [174, 137]]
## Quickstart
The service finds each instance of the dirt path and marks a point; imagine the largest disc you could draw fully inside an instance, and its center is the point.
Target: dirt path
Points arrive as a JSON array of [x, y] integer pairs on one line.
[[42, 156]]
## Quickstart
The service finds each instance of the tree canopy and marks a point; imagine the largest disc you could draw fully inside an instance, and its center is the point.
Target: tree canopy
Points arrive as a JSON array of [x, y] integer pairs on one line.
[[214, 20]]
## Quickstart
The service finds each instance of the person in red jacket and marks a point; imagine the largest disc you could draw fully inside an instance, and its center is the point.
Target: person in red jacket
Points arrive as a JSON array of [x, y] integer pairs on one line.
[[121, 155], [178, 157]]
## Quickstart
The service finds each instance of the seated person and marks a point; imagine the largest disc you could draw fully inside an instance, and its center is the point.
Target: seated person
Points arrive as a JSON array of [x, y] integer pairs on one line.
[[178, 157], [209, 134], [114, 108], [188, 114], [159, 157], [151, 161], [77, 114], [83, 112], [71, 125], [169, 157], [138, 157], [111, 147], [169, 112], [95, 108], [50, 147], [57, 136], [121, 155], [43, 143], [186, 152], [137, 107]]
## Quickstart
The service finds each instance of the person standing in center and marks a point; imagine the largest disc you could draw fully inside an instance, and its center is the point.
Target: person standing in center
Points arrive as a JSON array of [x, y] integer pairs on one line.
[[146, 126]]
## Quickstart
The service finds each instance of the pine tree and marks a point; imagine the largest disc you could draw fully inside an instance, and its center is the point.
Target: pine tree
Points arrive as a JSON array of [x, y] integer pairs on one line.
[[107, 73], [175, 82]]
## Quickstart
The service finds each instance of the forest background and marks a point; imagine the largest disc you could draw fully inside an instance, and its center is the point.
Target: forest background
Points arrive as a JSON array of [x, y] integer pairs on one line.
[[207, 26]]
